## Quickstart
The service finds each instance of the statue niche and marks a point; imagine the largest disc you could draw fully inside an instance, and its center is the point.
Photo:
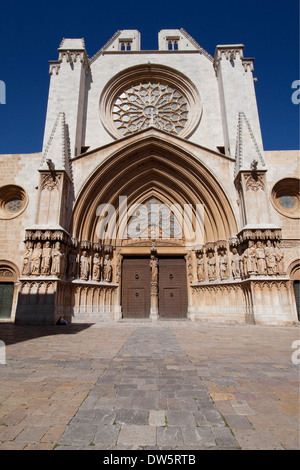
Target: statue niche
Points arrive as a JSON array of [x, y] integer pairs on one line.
[[261, 259], [26, 269], [271, 259], [96, 267], [46, 259], [154, 268], [84, 266], [223, 263], [107, 269], [58, 261], [200, 267], [36, 260], [211, 265], [235, 264]]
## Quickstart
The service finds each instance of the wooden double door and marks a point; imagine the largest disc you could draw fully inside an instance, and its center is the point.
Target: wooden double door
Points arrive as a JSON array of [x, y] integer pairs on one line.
[[136, 287]]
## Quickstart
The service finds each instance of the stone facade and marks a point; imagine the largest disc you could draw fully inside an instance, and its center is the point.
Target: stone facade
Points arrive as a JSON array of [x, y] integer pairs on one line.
[[154, 156]]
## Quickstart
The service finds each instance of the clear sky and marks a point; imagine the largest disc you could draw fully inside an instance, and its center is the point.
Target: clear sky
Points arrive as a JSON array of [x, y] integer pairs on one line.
[[31, 31]]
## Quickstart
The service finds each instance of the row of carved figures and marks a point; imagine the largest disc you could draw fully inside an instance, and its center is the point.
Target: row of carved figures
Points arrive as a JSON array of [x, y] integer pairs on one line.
[[46, 260], [257, 259], [98, 270]]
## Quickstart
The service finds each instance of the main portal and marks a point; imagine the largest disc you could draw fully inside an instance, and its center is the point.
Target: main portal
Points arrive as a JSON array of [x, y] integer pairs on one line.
[[136, 287]]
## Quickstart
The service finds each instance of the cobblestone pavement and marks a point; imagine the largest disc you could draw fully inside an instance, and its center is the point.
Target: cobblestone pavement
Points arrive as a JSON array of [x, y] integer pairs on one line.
[[142, 385]]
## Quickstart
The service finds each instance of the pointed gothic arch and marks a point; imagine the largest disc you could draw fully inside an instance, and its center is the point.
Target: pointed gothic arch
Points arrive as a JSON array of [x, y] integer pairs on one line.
[[146, 167]]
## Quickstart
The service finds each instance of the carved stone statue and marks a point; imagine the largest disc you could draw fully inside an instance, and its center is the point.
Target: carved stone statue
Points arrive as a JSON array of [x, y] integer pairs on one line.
[[36, 260], [63, 265], [96, 267], [235, 263], [211, 263], [270, 258], [261, 259], [154, 268], [250, 259], [242, 266], [26, 270], [107, 269], [223, 265], [84, 266], [279, 258], [57, 261], [200, 268], [71, 265], [46, 259]]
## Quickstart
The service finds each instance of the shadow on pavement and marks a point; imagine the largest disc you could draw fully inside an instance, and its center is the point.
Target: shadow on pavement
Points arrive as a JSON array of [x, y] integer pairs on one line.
[[11, 333]]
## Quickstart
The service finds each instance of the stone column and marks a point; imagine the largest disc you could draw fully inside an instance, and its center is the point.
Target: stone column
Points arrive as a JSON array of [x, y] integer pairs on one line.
[[154, 288]]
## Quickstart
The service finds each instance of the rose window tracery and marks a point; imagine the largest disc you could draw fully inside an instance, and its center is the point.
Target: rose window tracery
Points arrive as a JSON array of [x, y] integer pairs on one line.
[[150, 104]]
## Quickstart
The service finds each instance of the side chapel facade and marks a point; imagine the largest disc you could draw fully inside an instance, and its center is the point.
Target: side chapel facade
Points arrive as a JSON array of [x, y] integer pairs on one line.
[[91, 227]]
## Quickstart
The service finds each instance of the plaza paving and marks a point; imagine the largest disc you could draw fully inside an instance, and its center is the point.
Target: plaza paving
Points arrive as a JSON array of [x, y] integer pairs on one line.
[[141, 385]]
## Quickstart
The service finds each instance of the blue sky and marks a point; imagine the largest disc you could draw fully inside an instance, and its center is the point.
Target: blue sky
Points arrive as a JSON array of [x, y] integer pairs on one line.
[[31, 31]]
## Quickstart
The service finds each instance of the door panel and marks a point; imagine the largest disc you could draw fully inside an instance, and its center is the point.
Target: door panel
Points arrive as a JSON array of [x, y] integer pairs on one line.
[[6, 299], [136, 280], [172, 288]]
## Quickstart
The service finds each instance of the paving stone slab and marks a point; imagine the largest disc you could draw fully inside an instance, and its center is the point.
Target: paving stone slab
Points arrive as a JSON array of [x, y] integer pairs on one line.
[[235, 383], [198, 436], [106, 435], [170, 436], [137, 435], [132, 416]]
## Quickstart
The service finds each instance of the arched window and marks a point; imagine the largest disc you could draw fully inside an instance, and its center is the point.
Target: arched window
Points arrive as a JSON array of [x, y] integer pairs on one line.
[[173, 44], [125, 45]]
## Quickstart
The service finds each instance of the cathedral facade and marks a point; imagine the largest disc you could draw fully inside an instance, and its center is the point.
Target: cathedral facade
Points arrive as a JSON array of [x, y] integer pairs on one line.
[[153, 197]]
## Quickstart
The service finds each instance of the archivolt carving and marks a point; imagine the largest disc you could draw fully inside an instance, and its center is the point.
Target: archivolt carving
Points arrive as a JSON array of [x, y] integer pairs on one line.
[[158, 169], [6, 273]]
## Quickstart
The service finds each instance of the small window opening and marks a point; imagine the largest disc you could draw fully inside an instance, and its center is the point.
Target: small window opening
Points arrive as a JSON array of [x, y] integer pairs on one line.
[[221, 150], [125, 45], [172, 44]]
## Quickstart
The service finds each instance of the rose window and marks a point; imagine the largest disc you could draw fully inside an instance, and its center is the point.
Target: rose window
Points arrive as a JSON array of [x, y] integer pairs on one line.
[[13, 201], [150, 104]]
